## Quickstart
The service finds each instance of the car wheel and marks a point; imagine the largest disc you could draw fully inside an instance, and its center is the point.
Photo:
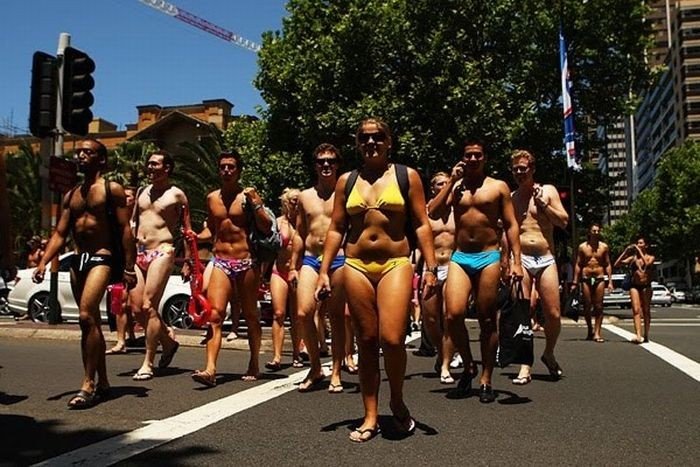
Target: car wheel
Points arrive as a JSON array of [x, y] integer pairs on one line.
[[38, 308], [175, 312]]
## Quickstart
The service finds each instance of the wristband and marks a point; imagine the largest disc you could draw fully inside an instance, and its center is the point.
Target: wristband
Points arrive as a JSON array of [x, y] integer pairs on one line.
[[131, 273], [257, 206]]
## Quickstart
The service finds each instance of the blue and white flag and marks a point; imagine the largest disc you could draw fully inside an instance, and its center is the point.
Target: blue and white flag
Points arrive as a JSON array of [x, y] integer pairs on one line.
[[572, 160]]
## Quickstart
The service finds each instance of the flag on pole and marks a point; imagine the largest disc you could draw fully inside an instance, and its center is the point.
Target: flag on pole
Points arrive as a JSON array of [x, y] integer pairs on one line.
[[572, 160]]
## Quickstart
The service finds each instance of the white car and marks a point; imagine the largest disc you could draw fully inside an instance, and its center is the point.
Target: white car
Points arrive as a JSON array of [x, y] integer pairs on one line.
[[27, 297], [660, 295]]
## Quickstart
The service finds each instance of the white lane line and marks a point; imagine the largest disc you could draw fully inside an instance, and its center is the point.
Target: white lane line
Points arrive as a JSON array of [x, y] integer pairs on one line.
[[656, 319], [681, 362], [159, 432]]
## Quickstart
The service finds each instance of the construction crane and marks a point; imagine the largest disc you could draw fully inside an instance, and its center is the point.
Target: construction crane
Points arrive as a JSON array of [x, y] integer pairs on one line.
[[194, 20]]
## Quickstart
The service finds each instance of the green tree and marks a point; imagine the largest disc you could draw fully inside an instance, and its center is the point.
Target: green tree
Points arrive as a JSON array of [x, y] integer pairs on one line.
[[267, 170], [128, 161], [440, 70], [676, 186], [24, 192]]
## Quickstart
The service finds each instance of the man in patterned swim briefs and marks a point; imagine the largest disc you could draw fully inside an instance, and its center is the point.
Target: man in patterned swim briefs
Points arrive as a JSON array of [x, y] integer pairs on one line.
[[159, 211], [228, 219]]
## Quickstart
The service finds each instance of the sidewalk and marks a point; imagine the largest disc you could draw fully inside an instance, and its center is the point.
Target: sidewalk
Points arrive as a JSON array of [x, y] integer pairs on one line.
[[9, 328]]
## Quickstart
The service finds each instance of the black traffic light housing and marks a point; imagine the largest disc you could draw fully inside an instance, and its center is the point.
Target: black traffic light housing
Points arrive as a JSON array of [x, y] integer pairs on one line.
[[77, 84], [42, 101]]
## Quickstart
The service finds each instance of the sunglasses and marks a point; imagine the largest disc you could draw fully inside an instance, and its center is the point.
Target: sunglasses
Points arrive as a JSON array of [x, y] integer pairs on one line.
[[322, 162], [520, 169], [378, 137], [473, 155]]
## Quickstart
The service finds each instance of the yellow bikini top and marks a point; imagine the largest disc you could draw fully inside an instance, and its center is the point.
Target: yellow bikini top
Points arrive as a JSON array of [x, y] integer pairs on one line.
[[389, 200]]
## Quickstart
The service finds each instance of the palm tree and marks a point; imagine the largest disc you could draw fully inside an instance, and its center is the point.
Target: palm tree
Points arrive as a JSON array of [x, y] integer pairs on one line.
[[127, 162], [24, 193], [198, 173]]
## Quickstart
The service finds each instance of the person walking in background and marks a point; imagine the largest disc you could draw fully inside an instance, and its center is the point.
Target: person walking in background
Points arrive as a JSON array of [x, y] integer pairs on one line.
[[478, 203], [313, 218], [590, 269], [124, 320], [230, 221], [538, 210], [160, 210], [283, 296], [371, 211], [86, 214], [443, 230], [35, 251], [641, 269]]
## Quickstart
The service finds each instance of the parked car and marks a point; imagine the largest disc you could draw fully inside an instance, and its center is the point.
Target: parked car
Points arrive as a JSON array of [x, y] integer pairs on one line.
[[660, 295], [617, 297], [679, 291], [28, 297], [693, 295]]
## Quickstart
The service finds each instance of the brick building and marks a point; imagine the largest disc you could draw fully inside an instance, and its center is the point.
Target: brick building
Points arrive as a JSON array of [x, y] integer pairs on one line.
[[166, 126]]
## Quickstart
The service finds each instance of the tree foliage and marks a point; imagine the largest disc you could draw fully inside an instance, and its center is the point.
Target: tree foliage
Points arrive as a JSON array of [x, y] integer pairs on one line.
[[440, 70], [24, 192], [127, 162], [669, 212]]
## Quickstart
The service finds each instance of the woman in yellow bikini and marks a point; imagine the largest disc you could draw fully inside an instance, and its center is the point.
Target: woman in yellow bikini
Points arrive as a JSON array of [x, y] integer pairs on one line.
[[372, 218]]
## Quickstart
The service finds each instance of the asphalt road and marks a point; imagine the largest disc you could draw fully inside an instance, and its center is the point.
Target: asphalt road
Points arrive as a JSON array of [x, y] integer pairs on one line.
[[618, 404]]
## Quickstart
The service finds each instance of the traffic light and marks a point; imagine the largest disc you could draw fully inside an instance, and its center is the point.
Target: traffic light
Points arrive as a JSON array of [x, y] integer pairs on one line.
[[77, 84], [42, 101]]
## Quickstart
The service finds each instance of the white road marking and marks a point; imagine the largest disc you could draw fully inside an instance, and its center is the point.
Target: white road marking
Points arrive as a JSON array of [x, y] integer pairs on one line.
[[681, 362], [159, 432], [675, 325]]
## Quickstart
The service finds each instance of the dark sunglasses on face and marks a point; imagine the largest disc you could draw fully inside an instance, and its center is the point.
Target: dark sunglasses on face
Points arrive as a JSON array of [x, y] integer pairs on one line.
[[322, 162], [473, 155], [378, 137], [520, 169]]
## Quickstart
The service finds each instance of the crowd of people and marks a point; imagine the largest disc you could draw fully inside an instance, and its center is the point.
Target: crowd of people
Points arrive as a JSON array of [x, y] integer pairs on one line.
[[362, 249]]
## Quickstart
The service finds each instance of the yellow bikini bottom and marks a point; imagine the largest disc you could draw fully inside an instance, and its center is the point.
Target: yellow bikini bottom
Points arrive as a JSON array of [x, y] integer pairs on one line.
[[375, 270]]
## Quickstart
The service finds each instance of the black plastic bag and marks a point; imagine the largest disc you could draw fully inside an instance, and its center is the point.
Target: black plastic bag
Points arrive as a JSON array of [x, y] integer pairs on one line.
[[572, 305], [515, 337]]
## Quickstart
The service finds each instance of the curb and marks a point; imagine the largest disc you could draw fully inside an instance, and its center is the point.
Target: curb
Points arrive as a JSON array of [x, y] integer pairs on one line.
[[186, 340]]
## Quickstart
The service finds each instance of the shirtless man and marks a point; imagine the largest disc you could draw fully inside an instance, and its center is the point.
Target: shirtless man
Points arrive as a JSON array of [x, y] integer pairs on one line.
[[592, 265], [478, 202], [313, 218], [158, 212], [538, 209], [230, 210], [444, 239], [88, 215]]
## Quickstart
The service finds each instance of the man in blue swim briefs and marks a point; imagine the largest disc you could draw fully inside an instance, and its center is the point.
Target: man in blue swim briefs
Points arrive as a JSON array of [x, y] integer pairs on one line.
[[478, 202], [314, 216]]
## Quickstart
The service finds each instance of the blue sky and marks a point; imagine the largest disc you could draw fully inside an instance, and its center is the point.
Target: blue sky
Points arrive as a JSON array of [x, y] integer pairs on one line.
[[142, 56]]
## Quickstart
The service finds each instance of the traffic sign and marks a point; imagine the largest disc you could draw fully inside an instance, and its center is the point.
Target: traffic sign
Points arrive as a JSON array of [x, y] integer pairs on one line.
[[63, 174]]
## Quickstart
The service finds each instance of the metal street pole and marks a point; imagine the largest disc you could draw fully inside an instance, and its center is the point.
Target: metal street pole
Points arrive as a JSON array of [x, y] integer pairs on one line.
[[54, 313]]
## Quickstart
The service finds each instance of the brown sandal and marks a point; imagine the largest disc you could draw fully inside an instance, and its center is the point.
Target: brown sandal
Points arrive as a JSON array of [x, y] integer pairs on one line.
[[205, 378]]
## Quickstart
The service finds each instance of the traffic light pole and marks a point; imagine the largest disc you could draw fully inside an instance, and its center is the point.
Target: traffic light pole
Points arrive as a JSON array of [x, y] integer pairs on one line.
[[54, 312]]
